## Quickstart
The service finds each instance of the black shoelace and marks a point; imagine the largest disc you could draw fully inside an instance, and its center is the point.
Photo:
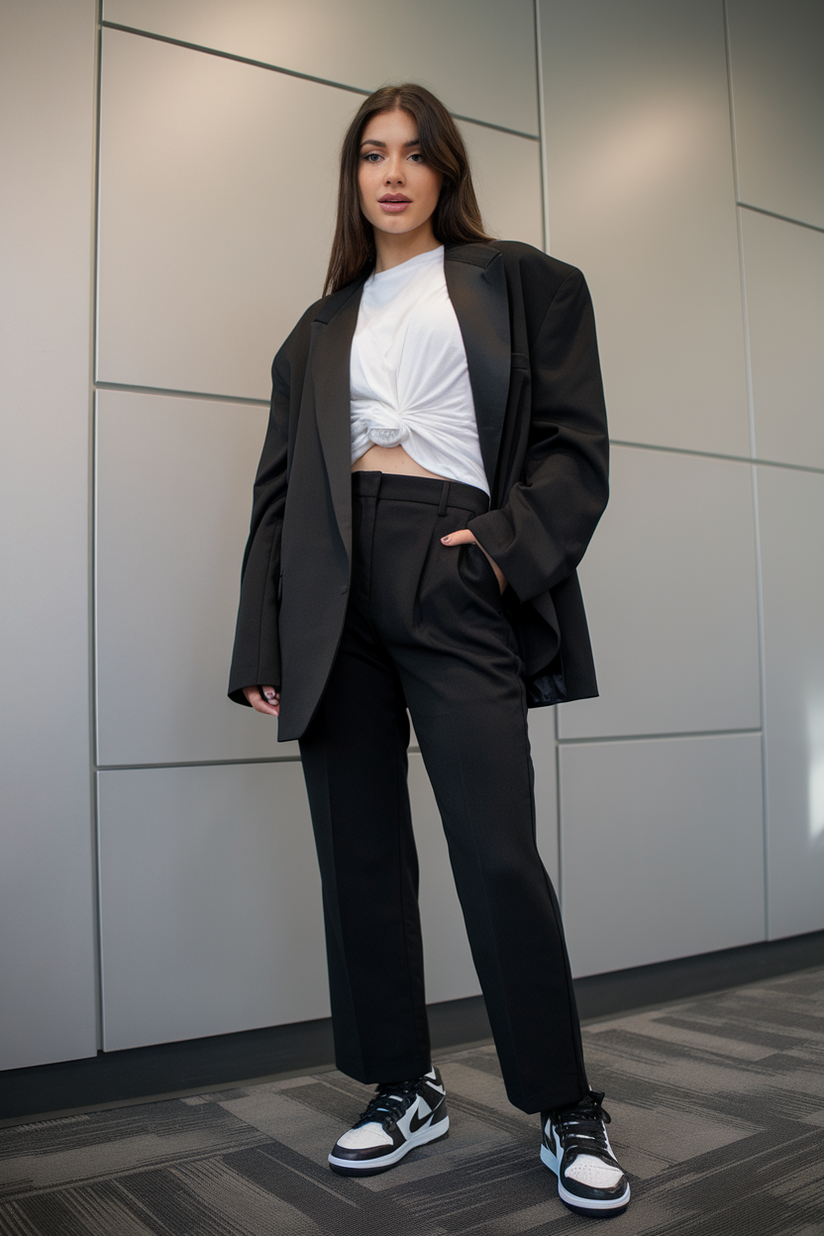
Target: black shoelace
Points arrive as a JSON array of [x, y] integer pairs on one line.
[[391, 1100], [582, 1127]]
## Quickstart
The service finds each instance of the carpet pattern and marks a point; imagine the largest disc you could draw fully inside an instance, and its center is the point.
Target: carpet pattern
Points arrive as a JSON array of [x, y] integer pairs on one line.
[[718, 1117]]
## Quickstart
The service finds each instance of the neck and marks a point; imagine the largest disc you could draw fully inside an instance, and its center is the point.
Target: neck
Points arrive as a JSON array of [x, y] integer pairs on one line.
[[393, 250]]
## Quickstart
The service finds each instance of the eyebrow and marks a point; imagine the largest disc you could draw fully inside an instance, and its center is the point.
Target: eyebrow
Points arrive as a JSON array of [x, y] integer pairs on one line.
[[372, 141]]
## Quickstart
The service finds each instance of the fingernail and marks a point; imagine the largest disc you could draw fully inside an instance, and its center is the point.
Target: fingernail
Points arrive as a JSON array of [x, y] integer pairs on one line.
[[445, 540]]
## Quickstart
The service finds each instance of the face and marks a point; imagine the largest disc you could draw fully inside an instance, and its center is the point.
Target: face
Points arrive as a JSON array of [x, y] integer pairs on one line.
[[397, 187]]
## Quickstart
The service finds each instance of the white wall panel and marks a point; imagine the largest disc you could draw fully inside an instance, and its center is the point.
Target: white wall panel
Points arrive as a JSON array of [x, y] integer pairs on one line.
[[791, 506], [217, 186], [216, 211], [641, 196], [506, 171], [670, 588], [211, 914], [778, 93], [661, 849], [174, 485], [47, 975], [210, 902], [784, 267], [477, 55]]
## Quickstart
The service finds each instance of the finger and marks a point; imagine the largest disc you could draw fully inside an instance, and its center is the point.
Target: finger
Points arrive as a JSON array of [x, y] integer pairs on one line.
[[261, 705], [462, 537], [272, 698], [270, 709]]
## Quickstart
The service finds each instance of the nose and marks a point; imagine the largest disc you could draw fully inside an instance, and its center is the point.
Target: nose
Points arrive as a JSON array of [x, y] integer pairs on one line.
[[394, 172]]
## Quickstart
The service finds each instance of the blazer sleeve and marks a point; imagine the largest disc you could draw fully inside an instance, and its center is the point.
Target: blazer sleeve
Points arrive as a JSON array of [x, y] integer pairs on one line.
[[256, 658], [539, 535]]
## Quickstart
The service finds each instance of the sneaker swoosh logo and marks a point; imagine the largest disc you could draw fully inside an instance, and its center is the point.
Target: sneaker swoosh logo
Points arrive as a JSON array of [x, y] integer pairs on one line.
[[417, 1122]]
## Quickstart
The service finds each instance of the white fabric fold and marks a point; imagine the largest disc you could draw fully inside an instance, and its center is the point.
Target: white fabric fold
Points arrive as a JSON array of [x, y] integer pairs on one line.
[[409, 377]]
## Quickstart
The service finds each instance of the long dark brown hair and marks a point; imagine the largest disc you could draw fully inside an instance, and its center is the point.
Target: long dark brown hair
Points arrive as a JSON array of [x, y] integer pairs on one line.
[[457, 218]]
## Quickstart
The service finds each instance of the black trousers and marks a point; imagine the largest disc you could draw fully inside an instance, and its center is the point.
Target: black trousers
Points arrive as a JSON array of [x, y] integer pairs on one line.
[[425, 628]]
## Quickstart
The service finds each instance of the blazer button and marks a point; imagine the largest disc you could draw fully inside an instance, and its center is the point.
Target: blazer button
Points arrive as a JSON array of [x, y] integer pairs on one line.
[[345, 588]]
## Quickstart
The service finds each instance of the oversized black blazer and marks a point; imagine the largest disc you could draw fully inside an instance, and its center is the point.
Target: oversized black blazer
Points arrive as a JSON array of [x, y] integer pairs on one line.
[[529, 334]]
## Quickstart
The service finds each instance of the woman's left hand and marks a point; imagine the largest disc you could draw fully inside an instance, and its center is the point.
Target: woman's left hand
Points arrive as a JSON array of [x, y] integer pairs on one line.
[[464, 537]]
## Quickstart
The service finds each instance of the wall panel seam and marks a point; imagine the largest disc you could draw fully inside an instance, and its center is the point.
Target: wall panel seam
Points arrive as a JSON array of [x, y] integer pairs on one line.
[[745, 459], [773, 214], [178, 394], [731, 97], [602, 738], [412, 749], [262, 759], [762, 694], [306, 77], [539, 73], [92, 499], [759, 591]]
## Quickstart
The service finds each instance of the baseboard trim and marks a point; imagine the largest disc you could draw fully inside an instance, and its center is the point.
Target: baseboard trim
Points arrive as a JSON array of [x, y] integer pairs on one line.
[[621, 991], [114, 1078]]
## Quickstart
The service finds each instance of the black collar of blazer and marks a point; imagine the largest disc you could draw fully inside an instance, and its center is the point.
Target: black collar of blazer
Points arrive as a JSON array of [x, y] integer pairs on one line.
[[476, 282]]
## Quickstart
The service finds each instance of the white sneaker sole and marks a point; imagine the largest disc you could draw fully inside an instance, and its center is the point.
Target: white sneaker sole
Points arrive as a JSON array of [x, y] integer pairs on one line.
[[369, 1167], [583, 1205]]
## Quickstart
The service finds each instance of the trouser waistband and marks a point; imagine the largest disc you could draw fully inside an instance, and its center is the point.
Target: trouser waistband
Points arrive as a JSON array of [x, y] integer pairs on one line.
[[400, 488]]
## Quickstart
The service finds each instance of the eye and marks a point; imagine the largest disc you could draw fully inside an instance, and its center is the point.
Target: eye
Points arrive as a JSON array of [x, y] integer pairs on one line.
[[372, 156], [417, 157]]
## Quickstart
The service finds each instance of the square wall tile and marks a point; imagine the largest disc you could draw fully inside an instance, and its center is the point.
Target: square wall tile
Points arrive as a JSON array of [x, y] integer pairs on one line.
[[216, 213], [506, 172], [784, 268], [791, 511], [662, 849], [670, 589], [778, 96], [641, 196], [48, 977], [211, 916], [174, 492], [210, 249], [477, 55]]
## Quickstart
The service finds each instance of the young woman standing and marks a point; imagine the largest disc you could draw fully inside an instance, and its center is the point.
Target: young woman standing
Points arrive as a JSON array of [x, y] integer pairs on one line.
[[435, 465]]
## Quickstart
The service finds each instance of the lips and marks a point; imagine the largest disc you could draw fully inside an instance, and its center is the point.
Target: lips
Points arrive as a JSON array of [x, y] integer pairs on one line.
[[393, 203]]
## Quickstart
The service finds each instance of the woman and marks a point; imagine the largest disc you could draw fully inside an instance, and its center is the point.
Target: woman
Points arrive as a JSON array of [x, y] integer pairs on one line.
[[434, 468]]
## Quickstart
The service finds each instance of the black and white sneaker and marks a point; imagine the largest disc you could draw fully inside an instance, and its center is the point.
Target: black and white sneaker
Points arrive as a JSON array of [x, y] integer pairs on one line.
[[401, 1116], [576, 1148]]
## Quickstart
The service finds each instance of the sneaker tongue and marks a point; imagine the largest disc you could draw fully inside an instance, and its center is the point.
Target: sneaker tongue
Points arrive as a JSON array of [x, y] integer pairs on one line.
[[590, 1107], [398, 1088]]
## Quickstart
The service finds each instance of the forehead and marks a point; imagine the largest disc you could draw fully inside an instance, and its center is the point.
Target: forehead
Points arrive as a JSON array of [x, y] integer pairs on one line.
[[396, 126]]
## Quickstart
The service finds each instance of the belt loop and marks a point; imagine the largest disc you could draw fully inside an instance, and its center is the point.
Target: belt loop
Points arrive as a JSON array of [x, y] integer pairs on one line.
[[444, 498], [369, 484]]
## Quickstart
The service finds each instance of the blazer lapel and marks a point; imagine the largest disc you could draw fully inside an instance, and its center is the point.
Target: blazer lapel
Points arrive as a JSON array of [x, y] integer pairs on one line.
[[476, 283], [332, 332]]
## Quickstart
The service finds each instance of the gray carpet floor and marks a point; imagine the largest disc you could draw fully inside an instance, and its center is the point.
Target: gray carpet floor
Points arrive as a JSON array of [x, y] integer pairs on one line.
[[718, 1117]]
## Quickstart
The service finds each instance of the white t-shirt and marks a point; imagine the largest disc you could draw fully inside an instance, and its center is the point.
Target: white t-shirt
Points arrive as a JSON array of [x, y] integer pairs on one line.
[[408, 375]]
